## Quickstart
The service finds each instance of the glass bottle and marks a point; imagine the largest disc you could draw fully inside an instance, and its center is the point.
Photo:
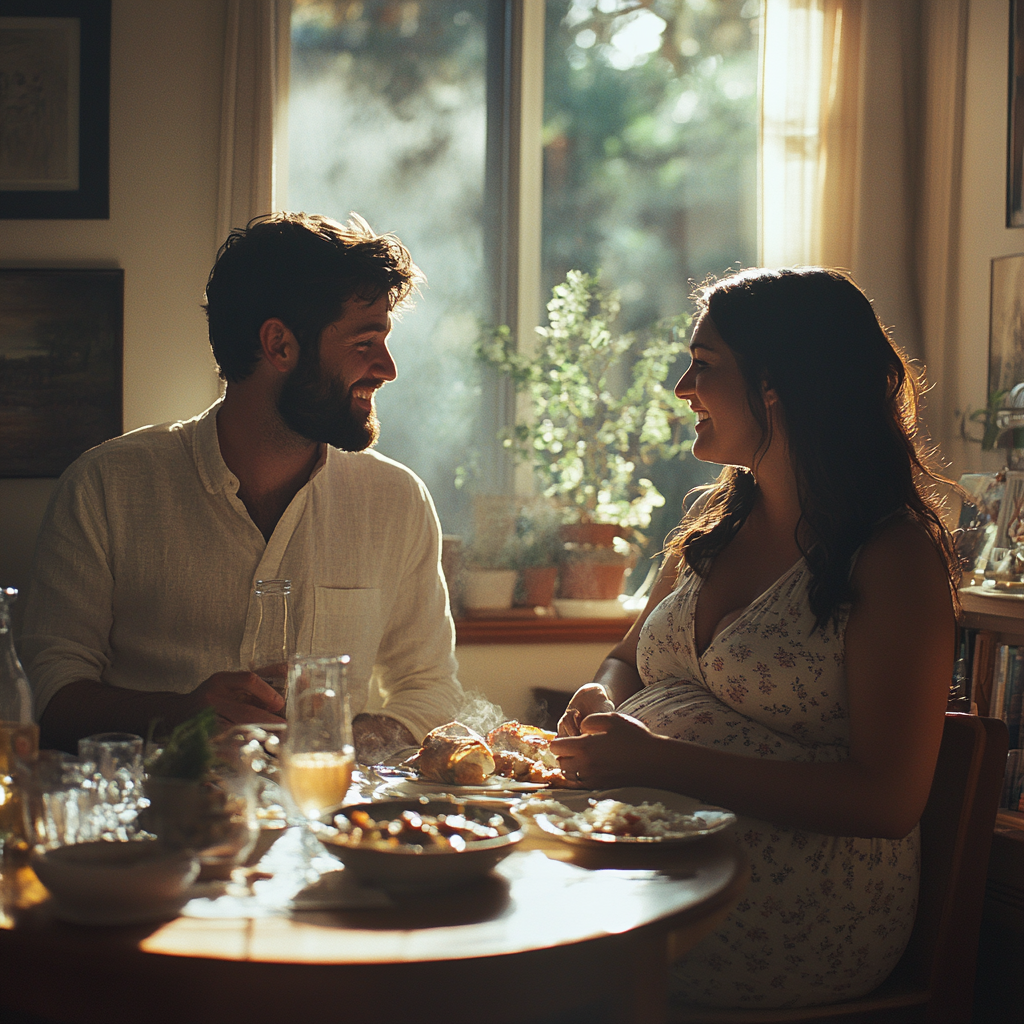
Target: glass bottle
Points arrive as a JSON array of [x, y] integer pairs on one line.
[[19, 735], [273, 643]]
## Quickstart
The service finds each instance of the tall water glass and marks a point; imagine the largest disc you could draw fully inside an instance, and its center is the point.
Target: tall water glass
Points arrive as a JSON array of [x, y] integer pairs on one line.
[[273, 643], [318, 750]]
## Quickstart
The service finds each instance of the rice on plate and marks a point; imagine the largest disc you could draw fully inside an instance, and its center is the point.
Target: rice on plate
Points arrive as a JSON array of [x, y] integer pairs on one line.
[[609, 819]]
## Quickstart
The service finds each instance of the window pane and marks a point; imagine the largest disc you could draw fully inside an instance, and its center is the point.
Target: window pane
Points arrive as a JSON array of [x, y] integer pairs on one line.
[[387, 117], [650, 143], [649, 154], [650, 149]]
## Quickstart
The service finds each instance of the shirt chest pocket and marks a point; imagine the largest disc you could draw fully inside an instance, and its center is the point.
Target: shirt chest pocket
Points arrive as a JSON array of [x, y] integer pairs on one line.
[[348, 622]]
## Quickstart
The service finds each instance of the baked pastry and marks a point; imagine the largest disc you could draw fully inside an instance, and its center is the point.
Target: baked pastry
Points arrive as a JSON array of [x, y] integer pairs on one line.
[[529, 740], [454, 754]]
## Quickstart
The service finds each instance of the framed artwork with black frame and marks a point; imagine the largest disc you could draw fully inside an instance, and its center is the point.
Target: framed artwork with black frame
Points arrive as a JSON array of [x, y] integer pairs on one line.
[[54, 109], [1015, 134], [61, 353]]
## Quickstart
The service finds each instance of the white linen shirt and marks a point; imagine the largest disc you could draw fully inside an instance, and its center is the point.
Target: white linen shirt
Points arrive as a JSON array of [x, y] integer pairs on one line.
[[144, 571]]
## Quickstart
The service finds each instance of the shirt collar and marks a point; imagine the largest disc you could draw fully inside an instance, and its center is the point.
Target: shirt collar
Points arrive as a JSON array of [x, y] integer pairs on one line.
[[213, 471]]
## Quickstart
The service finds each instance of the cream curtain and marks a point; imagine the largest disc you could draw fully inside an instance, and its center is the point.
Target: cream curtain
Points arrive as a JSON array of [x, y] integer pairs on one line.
[[808, 152], [254, 110], [861, 139]]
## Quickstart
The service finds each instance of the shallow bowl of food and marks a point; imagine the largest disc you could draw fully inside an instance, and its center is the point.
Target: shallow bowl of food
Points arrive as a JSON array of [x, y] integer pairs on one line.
[[411, 844], [116, 882]]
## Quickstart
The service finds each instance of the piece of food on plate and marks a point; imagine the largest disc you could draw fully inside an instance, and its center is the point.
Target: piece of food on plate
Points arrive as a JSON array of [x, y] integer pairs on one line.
[[512, 765], [529, 740], [454, 754]]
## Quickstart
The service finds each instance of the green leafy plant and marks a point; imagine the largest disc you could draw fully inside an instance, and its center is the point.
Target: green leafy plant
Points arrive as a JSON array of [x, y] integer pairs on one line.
[[599, 411], [537, 542], [188, 753], [989, 420]]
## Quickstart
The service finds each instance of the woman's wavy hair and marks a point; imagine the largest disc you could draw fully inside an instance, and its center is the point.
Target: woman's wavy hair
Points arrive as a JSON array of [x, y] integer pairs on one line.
[[301, 269], [849, 401]]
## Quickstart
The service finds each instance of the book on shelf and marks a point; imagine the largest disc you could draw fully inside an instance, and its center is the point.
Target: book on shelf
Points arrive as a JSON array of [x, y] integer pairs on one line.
[[982, 665], [1000, 671], [1012, 796], [1011, 711]]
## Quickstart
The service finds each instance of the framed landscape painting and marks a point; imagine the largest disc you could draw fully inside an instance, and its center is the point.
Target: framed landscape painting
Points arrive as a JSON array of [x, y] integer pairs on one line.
[[54, 109], [61, 346]]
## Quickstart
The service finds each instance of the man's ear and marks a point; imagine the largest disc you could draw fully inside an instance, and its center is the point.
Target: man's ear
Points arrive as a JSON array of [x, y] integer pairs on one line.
[[280, 347], [770, 397]]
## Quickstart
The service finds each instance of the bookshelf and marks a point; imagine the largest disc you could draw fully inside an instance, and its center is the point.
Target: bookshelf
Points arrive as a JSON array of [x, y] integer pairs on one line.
[[1000, 983]]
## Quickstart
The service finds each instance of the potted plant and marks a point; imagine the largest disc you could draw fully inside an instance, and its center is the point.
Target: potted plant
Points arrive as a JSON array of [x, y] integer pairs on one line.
[[597, 412], [201, 788], [539, 549], [489, 577]]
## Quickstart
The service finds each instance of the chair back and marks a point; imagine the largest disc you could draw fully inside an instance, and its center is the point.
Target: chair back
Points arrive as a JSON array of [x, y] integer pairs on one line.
[[956, 835]]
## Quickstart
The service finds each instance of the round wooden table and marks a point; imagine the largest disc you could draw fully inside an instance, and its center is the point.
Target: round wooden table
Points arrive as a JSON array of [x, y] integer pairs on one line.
[[557, 933]]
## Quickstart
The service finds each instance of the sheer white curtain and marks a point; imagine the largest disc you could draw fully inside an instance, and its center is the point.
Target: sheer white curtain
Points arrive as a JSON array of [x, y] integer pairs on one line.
[[808, 153], [861, 140], [254, 112]]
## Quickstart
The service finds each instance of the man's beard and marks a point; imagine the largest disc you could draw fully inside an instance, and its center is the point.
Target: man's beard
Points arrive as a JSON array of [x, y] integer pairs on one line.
[[319, 408]]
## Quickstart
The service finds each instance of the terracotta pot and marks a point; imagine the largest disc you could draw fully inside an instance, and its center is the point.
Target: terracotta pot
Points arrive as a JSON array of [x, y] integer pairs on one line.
[[600, 535], [538, 586], [592, 581]]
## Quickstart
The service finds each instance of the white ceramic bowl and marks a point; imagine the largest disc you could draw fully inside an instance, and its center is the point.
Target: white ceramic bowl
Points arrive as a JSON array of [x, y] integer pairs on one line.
[[116, 883]]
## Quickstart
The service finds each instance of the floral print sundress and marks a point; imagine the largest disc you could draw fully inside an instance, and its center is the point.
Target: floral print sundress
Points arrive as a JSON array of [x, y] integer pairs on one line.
[[823, 918]]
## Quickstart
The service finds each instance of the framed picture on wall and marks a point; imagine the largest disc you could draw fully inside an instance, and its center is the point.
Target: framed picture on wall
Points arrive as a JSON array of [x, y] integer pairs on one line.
[[61, 348], [54, 109], [1006, 323], [1015, 143]]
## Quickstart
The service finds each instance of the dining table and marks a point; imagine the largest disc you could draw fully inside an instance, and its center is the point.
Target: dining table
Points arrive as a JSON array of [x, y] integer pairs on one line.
[[558, 932]]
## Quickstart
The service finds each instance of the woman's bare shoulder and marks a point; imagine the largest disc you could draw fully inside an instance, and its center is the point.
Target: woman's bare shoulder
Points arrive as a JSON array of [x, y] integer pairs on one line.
[[901, 559]]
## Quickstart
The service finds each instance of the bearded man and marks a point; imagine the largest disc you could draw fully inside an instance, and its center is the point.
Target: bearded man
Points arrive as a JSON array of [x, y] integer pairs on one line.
[[142, 605]]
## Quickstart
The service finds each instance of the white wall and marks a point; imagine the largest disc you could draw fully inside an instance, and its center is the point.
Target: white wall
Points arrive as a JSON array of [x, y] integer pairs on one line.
[[164, 146], [984, 235]]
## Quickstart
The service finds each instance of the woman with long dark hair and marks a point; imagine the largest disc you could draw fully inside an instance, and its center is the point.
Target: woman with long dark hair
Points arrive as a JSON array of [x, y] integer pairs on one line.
[[794, 659]]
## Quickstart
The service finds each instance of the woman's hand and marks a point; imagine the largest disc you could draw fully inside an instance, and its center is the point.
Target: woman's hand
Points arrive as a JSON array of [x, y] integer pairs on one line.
[[591, 699], [611, 750]]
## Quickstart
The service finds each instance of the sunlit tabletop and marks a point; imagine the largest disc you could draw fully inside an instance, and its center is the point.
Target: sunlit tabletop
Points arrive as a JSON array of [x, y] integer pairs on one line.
[[558, 932]]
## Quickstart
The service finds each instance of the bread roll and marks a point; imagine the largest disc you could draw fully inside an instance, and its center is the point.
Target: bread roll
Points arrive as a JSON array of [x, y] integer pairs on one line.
[[459, 760]]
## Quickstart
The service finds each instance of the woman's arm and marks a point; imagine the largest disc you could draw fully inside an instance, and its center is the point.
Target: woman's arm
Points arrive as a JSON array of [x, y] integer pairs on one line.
[[899, 660], [617, 677]]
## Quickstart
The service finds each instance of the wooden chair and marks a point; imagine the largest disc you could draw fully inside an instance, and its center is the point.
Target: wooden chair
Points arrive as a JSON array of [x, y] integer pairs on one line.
[[934, 981]]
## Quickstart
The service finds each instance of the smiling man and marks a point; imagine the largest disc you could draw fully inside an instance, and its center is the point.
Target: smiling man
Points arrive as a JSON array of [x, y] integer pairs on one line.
[[142, 604]]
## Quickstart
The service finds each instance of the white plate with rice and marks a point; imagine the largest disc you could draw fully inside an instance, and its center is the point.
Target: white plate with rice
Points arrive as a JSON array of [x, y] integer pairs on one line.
[[630, 816]]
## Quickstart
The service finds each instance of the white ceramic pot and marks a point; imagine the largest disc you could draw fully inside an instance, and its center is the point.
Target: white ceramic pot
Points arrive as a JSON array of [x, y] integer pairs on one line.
[[488, 589]]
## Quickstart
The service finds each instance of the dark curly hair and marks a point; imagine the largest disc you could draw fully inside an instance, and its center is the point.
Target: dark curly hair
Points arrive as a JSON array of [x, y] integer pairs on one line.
[[850, 403], [301, 269]]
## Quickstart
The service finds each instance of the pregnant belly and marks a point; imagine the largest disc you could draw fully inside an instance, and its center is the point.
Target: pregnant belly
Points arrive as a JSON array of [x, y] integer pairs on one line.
[[686, 710]]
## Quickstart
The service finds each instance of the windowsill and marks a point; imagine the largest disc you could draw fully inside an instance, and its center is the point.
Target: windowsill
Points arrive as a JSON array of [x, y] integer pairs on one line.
[[540, 630]]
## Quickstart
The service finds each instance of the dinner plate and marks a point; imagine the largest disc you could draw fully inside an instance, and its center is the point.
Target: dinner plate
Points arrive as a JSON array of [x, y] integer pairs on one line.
[[710, 820], [494, 784]]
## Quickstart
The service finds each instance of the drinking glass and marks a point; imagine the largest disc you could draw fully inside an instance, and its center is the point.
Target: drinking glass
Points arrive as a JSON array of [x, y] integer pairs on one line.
[[273, 642], [59, 795], [117, 776], [318, 750], [214, 817]]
